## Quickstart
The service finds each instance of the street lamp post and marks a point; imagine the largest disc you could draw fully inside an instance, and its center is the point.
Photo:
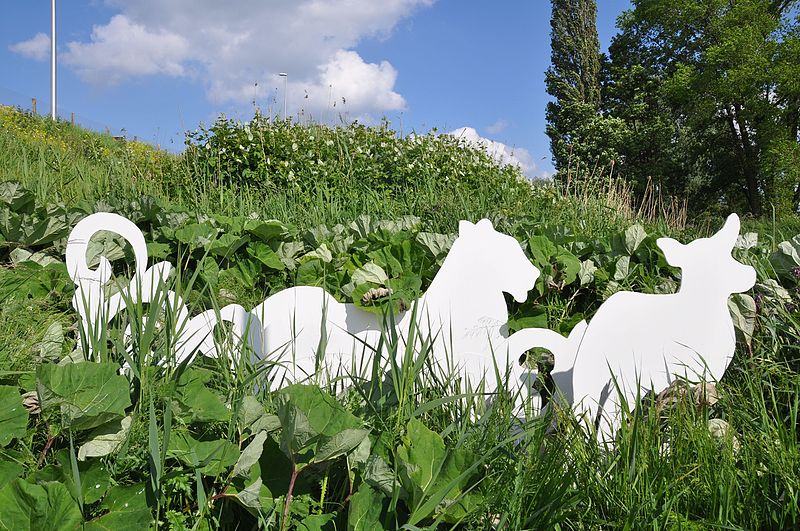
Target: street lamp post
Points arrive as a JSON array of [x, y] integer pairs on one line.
[[285, 77], [53, 59]]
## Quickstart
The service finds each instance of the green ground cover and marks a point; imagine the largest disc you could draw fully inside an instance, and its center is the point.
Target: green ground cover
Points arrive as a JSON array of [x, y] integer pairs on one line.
[[249, 210]]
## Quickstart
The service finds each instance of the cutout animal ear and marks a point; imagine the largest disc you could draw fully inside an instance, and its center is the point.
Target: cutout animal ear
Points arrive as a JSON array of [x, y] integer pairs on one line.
[[673, 250], [730, 231], [465, 227], [485, 224]]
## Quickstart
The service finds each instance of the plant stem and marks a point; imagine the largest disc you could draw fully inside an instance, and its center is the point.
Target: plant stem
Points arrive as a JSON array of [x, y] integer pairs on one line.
[[289, 497]]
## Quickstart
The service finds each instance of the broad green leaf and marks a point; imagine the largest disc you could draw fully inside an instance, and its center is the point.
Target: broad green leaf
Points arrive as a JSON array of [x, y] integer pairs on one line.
[[16, 197], [586, 272], [89, 394], [266, 230], [254, 418], [20, 255], [434, 476], [787, 257], [322, 253], [569, 264], [105, 439], [104, 243], [31, 507], [772, 289], [622, 268], [438, 245], [316, 425], [369, 272], [403, 223], [311, 273], [200, 403], [250, 455], [634, 236], [535, 319], [288, 252], [158, 251], [196, 234], [9, 470], [249, 411], [339, 444], [212, 458], [379, 475], [226, 245], [317, 522], [541, 250], [55, 226], [256, 496], [421, 457], [11, 225], [245, 273], [743, 311], [49, 348], [95, 478], [127, 510], [264, 254], [13, 415]]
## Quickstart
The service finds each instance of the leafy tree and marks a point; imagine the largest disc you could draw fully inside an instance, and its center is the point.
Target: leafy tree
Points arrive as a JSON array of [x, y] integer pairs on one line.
[[708, 89], [578, 133]]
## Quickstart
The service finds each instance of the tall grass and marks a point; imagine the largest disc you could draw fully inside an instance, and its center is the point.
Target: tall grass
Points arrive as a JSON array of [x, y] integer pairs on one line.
[[544, 472], [664, 471]]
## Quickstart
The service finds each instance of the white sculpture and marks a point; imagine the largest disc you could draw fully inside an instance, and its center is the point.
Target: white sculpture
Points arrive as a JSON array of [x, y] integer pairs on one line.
[[463, 312], [646, 340], [638, 342], [146, 286]]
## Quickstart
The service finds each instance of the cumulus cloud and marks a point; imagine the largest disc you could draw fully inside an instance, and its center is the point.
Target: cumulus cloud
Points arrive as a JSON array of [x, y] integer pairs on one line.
[[123, 49], [230, 46], [500, 152], [36, 48]]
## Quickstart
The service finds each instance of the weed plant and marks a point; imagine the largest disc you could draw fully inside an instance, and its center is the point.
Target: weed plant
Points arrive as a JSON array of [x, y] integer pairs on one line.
[[399, 442]]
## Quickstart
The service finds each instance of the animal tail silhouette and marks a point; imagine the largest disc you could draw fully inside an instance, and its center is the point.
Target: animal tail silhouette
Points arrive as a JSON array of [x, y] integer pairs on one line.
[[564, 350]]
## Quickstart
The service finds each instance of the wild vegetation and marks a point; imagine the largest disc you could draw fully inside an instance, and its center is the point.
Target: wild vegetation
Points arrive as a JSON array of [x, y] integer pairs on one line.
[[699, 98], [244, 213]]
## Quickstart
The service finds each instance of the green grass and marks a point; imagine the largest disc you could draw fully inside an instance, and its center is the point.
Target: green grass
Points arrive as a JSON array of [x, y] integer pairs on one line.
[[663, 472]]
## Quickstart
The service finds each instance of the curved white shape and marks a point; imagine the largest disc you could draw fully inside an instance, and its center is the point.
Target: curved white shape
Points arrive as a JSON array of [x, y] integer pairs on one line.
[[464, 312], [639, 342]]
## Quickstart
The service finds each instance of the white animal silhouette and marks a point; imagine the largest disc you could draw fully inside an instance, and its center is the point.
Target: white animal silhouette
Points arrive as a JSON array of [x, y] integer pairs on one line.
[[463, 310], [147, 285], [646, 341]]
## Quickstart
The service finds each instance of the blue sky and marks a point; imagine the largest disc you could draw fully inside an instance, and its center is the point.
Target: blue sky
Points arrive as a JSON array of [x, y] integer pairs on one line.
[[156, 69]]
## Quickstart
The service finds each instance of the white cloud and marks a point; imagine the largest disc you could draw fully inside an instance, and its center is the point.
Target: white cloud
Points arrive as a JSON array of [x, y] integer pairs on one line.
[[230, 46], [498, 127], [37, 47], [123, 49], [500, 152]]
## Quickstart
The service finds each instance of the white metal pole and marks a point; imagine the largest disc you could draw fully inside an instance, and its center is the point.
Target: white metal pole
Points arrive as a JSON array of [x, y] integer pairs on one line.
[[53, 59], [285, 77]]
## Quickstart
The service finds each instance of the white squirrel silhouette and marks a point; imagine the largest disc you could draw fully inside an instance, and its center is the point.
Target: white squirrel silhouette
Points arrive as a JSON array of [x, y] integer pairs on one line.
[[638, 342]]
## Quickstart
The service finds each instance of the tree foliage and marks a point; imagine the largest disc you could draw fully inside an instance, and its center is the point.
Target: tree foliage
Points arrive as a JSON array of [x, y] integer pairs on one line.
[[573, 80], [709, 95]]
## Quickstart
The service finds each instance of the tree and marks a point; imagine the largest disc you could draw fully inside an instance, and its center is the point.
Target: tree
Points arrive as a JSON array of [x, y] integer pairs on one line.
[[573, 80], [708, 89]]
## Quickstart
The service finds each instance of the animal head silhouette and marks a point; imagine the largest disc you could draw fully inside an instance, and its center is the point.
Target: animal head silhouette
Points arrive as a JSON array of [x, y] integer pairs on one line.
[[707, 264], [501, 258]]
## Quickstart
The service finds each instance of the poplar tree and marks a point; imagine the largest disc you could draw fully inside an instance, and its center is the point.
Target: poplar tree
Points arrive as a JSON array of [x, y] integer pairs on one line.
[[573, 80]]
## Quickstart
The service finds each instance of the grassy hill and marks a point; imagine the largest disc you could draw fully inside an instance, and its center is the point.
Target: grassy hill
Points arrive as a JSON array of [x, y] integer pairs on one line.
[[249, 209]]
